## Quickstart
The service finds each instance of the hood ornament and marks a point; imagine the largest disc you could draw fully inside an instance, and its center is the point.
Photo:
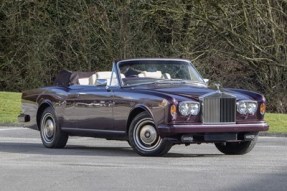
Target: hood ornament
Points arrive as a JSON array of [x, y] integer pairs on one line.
[[217, 86]]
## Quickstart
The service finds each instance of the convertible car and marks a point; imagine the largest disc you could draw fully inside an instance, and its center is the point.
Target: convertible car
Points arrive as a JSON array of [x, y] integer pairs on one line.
[[151, 103]]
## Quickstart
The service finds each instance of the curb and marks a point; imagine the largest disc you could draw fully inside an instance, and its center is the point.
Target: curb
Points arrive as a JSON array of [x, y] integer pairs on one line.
[[262, 134], [10, 125], [266, 134]]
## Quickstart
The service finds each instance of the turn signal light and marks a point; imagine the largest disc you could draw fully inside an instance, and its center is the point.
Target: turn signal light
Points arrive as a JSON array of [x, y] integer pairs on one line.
[[262, 108], [173, 110]]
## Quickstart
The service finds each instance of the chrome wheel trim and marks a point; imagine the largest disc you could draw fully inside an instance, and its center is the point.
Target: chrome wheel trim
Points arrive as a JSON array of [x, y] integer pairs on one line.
[[145, 135], [148, 134], [48, 128]]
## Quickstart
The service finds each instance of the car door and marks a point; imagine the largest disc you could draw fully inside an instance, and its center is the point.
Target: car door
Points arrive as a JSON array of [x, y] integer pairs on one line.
[[89, 108]]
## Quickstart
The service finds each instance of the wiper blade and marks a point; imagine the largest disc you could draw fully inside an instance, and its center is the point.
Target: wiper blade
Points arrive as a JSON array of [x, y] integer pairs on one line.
[[180, 81], [160, 81], [139, 84]]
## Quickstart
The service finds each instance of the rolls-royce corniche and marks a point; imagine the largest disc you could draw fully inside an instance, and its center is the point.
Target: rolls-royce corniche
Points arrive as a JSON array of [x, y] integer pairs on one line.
[[151, 103]]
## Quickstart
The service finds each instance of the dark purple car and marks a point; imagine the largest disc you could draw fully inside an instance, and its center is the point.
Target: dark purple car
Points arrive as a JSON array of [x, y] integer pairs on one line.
[[151, 103]]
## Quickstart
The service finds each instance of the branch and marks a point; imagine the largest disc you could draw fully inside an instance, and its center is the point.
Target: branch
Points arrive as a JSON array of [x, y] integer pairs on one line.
[[263, 59]]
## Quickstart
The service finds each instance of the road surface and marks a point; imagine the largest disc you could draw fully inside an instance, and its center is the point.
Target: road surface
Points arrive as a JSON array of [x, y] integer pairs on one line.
[[98, 164]]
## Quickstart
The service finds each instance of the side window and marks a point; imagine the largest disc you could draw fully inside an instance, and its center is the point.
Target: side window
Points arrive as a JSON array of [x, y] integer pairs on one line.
[[114, 80]]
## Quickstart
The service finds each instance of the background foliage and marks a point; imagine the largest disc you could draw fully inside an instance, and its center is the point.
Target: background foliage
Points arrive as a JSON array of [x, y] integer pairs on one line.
[[241, 43]]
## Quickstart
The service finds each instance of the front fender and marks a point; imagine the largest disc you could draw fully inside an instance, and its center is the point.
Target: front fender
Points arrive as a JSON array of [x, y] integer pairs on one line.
[[157, 111]]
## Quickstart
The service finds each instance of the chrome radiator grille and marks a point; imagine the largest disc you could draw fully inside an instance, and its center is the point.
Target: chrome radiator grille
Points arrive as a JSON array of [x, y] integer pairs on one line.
[[218, 110]]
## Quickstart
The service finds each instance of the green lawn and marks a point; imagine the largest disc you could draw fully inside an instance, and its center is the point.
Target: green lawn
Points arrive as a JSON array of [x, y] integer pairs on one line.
[[277, 122], [10, 107]]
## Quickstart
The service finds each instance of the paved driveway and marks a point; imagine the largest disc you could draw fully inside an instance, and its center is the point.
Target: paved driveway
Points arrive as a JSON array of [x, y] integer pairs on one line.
[[97, 164]]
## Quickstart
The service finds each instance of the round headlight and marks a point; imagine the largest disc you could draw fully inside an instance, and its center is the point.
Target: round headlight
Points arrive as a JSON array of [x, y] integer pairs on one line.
[[183, 108], [251, 107], [194, 108], [188, 108], [241, 108], [247, 107]]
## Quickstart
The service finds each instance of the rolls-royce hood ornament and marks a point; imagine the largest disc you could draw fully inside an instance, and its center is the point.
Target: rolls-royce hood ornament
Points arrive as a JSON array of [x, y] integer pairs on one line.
[[218, 86]]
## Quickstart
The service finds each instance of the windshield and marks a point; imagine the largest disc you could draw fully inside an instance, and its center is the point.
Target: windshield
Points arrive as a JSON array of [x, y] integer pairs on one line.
[[137, 72]]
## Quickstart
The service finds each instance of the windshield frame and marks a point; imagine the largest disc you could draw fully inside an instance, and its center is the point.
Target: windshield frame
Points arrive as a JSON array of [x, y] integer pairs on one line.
[[121, 62]]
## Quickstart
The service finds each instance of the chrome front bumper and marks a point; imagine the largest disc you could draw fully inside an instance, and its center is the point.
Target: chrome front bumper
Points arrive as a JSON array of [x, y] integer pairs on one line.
[[175, 129]]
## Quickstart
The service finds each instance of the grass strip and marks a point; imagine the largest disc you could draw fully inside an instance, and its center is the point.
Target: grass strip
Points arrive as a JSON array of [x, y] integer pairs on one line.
[[10, 106], [277, 122]]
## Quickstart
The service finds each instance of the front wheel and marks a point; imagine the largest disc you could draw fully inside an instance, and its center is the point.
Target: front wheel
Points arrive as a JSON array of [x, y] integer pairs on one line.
[[237, 148], [51, 134], [144, 139]]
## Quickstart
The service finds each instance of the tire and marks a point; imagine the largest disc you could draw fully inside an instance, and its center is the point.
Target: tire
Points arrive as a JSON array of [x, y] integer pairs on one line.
[[239, 148], [51, 134], [144, 138], [128, 141]]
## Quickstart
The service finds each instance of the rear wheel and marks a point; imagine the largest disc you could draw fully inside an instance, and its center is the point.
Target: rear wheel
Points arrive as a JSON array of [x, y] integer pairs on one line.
[[236, 148], [144, 138], [51, 134]]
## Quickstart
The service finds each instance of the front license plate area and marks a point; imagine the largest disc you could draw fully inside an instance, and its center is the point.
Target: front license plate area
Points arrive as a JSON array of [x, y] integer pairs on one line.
[[214, 137]]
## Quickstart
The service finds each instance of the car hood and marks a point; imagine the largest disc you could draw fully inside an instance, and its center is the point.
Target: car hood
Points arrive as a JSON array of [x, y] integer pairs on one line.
[[193, 92]]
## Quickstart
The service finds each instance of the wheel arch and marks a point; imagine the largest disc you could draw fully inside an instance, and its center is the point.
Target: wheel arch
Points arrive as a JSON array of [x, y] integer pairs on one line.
[[135, 111], [44, 105]]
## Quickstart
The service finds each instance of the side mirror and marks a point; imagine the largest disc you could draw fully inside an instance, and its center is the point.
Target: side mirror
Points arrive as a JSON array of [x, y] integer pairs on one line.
[[206, 80]]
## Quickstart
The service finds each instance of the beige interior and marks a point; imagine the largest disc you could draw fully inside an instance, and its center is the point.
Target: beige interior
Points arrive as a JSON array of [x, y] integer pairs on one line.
[[156, 74], [105, 75], [92, 80], [83, 81]]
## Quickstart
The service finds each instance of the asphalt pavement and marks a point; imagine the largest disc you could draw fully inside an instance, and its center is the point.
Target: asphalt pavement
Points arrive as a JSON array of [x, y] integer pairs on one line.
[[98, 164]]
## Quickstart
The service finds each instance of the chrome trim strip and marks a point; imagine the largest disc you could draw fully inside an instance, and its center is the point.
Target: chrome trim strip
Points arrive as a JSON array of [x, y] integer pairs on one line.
[[222, 125], [93, 130], [139, 59]]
